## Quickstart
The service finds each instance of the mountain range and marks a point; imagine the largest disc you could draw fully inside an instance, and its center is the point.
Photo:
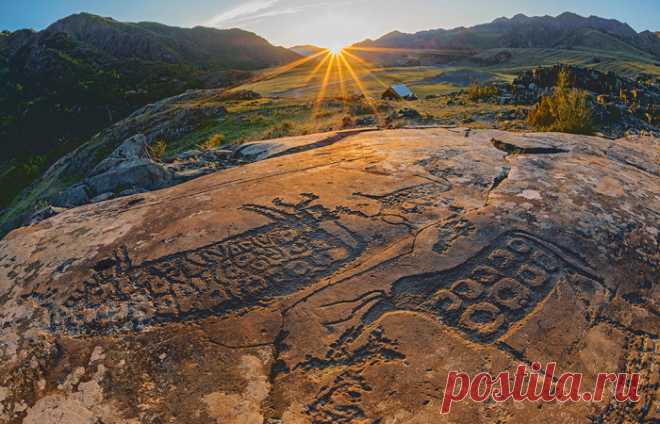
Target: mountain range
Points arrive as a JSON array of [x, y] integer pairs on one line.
[[232, 48], [61, 85], [306, 50], [565, 31]]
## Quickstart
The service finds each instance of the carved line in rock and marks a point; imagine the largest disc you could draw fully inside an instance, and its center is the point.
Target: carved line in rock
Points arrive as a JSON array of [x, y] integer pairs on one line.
[[482, 298], [340, 401], [506, 280], [640, 356], [303, 244], [408, 201]]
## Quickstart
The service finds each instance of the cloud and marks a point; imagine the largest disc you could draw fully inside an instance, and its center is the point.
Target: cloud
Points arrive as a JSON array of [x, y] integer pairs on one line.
[[258, 10], [265, 14], [244, 11]]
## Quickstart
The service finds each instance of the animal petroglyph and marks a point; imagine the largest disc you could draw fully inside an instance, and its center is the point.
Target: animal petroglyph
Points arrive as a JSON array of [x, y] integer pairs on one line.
[[303, 244], [487, 294]]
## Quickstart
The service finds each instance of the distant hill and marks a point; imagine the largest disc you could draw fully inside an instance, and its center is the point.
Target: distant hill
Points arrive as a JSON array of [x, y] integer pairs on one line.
[[306, 50], [61, 85], [233, 48], [567, 30]]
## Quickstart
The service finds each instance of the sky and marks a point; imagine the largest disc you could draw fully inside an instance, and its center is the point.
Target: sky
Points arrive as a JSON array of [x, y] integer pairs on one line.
[[326, 23]]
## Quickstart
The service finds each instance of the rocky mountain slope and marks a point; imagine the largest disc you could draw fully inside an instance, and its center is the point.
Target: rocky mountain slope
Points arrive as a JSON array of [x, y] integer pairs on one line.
[[166, 119], [566, 31], [61, 85], [306, 50], [233, 48], [339, 281]]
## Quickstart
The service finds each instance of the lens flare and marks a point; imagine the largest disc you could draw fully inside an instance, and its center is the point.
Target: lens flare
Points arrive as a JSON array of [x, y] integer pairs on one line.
[[337, 73]]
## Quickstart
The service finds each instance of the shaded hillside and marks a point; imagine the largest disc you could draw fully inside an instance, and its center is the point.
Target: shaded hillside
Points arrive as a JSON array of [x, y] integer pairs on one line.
[[565, 30], [233, 48], [306, 50], [61, 85]]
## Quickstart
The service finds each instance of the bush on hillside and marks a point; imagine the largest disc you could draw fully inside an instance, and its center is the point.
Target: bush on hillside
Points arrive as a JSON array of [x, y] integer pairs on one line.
[[567, 110], [157, 150], [33, 167], [282, 130], [478, 92]]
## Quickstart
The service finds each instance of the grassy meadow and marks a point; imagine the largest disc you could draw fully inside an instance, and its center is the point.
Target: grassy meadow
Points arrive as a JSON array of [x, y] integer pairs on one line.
[[315, 97], [320, 95]]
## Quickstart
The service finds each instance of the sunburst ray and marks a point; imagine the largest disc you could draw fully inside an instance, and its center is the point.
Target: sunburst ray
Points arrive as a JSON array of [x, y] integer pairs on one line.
[[324, 85], [317, 68], [342, 83], [291, 66], [360, 86], [367, 67]]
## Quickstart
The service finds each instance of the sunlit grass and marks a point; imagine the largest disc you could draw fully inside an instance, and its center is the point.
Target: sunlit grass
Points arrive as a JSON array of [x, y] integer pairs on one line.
[[338, 87]]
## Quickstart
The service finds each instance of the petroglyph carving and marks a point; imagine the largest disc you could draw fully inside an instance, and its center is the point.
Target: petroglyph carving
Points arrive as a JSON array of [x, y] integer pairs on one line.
[[491, 291], [340, 401], [411, 200], [303, 244], [450, 231]]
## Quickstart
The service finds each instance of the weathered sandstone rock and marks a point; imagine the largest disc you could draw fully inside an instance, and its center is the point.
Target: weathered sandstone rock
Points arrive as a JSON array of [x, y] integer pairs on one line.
[[341, 283]]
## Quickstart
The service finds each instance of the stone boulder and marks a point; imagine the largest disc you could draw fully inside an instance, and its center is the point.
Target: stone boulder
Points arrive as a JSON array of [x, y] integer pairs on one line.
[[139, 173], [129, 167], [341, 283], [42, 214], [135, 148]]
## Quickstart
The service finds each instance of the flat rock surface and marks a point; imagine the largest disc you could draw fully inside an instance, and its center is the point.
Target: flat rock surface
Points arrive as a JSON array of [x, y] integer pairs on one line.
[[341, 284]]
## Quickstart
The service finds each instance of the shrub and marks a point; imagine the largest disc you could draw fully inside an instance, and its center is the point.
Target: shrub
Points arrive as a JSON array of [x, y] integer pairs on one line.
[[347, 122], [212, 142], [32, 167], [281, 130], [542, 116], [652, 116], [157, 149], [360, 108], [478, 92], [567, 110]]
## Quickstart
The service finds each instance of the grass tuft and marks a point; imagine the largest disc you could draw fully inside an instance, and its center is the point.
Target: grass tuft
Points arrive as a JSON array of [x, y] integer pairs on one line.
[[212, 142], [157, 150]]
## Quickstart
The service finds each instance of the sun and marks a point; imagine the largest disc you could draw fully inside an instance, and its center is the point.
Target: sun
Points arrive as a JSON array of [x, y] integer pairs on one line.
[[337, 67], [335, 50]]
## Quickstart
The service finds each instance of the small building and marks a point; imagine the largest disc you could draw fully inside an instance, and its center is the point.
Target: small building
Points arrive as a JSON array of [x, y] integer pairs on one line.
[[399, 92]]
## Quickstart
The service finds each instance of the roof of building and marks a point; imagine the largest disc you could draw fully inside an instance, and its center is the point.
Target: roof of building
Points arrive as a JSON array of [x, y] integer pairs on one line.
[[402, 90]]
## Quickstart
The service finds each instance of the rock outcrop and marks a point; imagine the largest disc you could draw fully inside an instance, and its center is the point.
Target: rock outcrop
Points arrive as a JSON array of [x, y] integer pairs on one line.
[[75, 179], [620, 105], [130, 169], [340, 281]]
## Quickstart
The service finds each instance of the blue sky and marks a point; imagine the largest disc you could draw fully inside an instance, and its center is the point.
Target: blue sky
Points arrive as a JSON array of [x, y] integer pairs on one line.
[[329, 23]]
